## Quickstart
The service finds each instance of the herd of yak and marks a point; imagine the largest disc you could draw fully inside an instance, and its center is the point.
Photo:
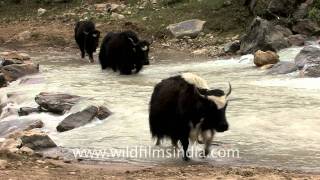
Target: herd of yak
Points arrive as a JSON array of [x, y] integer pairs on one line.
[[182, 108]]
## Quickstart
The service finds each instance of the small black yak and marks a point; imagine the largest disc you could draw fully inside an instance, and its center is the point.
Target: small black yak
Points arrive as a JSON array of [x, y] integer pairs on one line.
[[87, 38], [183, 107], [124, 51]]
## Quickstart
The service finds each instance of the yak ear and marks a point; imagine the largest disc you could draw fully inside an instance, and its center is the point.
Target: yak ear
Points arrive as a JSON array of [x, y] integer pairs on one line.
[[203, 92], [85, 32]]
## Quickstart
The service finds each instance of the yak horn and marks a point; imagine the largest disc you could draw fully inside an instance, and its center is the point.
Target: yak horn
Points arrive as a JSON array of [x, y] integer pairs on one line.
[[230, 90], [133, 43]]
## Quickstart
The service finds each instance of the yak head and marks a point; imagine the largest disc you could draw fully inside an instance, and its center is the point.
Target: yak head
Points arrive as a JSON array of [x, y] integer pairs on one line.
[[213, 108], [141, 50], [91, 40]]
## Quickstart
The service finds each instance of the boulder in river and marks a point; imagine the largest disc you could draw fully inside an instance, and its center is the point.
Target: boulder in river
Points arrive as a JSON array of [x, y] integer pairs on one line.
[[263, 35], [190, 28], [24, 111], [13, 126], [308, 60], [78, 119], [36, 139], [262, 58], [283, 67], [57, 103], [15, 71], [103, 112], [7, 62], [15, 55]]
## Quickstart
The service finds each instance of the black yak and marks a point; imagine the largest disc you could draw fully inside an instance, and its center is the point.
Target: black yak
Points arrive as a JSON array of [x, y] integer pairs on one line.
[[87, 38], [124, 51], [183, 107]]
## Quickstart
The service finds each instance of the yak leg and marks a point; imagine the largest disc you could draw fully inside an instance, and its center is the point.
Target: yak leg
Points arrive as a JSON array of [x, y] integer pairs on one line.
[[207, 136], [91, 60], [185, 145], [158, 143]]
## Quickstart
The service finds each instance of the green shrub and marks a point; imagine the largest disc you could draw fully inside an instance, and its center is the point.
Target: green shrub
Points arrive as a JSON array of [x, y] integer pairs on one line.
[[314, 14]]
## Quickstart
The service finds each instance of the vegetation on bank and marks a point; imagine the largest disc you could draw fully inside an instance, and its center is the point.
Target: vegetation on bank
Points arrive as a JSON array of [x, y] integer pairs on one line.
[[151, 19]]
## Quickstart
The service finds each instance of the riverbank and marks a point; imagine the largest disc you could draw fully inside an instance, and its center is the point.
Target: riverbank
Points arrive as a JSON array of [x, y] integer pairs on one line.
[[37, 168]]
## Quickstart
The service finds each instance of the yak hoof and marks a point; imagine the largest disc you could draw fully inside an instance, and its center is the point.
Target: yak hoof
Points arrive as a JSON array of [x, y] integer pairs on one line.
[[186, 158], [91, 60]]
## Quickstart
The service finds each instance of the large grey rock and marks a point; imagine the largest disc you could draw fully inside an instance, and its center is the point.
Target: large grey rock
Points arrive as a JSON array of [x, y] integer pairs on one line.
[[78, 119], [57, 103], [15, 71], [308, 60], [35, 139], [190, 28], [13, 126], [262, 35], [283, 67], [296, 40], [306, 27]]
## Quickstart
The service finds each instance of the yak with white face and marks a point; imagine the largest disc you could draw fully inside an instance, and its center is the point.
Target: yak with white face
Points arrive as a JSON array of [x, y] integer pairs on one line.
[[183, 107], [87, 38]]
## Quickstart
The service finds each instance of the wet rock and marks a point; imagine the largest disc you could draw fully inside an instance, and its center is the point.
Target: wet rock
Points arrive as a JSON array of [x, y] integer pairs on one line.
[[35, 124], [306, 27], [262, 58], [283, 67], [35, 140], [3, 164], [78, 119], [7, 62], [15, 71], [190, 28], [232, 47], [32, 80], [308, 60], [103, 112], [24, 111], [57, 103], [13, 126], [3, 82], [15, 55], [296, 40], [262, 35]]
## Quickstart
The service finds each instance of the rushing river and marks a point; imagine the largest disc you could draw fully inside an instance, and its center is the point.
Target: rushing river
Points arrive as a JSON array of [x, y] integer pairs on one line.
[[274, 119]]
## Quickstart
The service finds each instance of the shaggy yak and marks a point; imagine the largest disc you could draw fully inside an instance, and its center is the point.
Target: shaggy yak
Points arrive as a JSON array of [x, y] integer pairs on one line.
[[124, 51], [87, 38], [183, 107]]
